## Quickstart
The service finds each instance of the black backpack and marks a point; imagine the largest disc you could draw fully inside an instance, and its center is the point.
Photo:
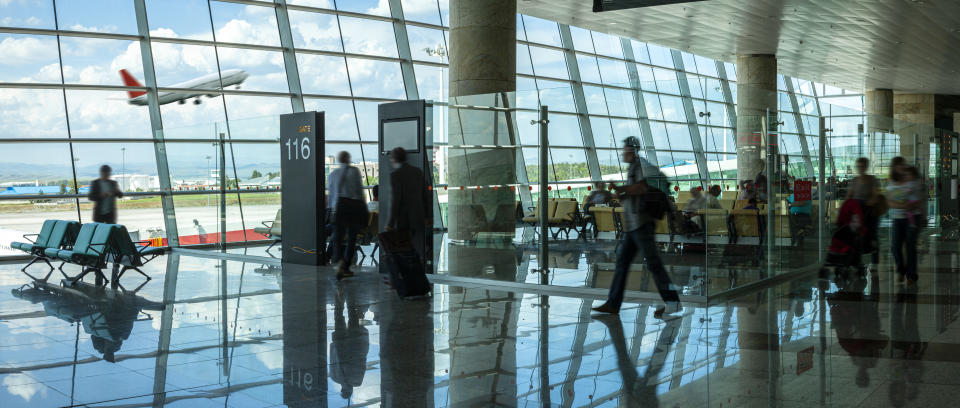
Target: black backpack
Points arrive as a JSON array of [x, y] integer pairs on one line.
[[654, 203]]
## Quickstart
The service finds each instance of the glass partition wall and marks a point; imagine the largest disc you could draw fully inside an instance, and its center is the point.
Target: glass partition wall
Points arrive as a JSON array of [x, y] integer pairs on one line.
[[200, 166]]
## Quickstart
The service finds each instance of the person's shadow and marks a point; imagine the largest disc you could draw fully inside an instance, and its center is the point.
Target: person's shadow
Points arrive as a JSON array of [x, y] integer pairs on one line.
[[640, 391]]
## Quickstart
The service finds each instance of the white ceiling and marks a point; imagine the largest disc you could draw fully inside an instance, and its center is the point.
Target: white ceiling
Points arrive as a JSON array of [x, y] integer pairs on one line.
[[905, 45]]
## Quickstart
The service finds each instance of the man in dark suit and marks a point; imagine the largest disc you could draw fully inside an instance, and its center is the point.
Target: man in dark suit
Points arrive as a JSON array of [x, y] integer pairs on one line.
[[104, 193], [410, 202]]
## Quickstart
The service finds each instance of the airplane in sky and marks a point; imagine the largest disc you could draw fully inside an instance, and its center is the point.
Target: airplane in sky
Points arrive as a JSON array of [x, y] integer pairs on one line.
[[205, 83]]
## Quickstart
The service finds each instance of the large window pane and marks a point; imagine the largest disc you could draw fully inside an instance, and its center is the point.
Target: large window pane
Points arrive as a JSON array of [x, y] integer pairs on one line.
[[245, 24], [679, 136], [523, 60], [556, 95], [622, 129], [426, 44], [179, 63], [179, 18], [339, 121], [191, 120], [370, 37], [373, 7], [602, 133], [323, 74], [95, 61], [610, 166], [23, 164], [569, 164], [596, 102], [376, 79], [548, 62], [256, 117], [564, 130], [621, 102], [368, 118], [29, 58], [666, 81], [424, 11], [589, 71], [315, 31], [31, 14], [134, 167], [672, 108], [77, 16], [541, 31], [31, 113], [582, 41], [431, 82], [606, 44], [106, 114], [613, 72], [265, 68], [660, 56]]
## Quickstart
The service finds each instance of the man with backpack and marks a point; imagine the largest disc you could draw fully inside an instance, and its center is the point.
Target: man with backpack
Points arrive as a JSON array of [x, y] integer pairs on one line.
[[645, 201]]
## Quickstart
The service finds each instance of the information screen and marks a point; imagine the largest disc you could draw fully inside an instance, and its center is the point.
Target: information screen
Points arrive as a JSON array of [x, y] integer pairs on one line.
[[401, 133]]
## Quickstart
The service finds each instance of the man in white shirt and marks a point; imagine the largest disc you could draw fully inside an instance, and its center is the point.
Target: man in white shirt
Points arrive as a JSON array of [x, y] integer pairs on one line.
[[349, 211]]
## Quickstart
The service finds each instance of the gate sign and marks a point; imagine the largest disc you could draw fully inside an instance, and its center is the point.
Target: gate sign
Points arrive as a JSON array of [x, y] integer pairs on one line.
[[802, 190], [302, 178]]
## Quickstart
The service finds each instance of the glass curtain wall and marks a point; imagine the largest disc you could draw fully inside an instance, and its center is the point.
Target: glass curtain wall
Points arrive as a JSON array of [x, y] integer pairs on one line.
[[198, 166]]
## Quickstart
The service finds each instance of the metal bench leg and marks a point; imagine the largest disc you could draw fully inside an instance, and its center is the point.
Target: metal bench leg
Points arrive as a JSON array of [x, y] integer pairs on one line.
[[34, 260]]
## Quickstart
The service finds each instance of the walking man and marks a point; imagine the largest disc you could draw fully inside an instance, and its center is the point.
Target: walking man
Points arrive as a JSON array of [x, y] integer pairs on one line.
[[638, 235]]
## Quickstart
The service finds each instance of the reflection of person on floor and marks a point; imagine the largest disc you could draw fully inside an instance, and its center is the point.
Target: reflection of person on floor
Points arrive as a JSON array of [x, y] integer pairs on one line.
[[856, 319], [638, 236], [351, 341], [908, 349], [640, 391]]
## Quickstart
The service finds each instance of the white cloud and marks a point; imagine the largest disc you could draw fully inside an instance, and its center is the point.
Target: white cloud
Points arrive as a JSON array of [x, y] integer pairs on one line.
[[19, 51], [24, 387]]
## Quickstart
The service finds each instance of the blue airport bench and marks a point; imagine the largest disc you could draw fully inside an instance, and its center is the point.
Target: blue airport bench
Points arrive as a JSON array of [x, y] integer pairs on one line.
[[128, 254], [54, 234], [89, 251]]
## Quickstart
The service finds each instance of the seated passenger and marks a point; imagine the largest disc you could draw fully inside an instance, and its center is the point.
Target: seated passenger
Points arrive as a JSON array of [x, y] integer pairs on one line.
[[599, 196], [751, 204], [713, 198], [696, 202], [800, 218]]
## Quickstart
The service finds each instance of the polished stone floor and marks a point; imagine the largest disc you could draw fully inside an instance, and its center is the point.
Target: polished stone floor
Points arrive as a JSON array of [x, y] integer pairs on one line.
[[213, 332]]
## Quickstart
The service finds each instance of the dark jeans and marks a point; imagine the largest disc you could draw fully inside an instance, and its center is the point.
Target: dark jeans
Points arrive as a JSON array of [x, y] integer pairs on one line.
[[108, 218], [344, 247], [905, 235], [639, 240]]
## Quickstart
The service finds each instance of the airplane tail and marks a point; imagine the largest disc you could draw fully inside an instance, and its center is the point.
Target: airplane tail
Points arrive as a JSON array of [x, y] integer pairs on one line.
[[129, 80]]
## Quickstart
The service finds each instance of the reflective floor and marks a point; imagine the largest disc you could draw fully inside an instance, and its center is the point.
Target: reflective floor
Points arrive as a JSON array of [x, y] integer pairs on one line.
[[209, 332]]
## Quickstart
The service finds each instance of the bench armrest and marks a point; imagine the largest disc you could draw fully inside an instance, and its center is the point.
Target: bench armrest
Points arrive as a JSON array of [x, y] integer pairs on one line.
[[102, 244], [268, 224], [27, 237], [146, 244]]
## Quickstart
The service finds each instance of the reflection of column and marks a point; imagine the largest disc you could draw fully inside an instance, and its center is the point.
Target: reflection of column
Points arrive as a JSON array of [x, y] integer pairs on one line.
[[756, 93], [166, 329], [759, 347], [482, 62], [483, 347], [304, 337]]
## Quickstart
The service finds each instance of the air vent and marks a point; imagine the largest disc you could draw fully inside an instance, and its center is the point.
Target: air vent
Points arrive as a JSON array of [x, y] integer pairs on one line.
[[608, 5]]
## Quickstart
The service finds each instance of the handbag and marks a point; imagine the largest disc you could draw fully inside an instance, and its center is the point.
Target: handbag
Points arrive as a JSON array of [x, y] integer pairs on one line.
[[395, 241], [350, 212]]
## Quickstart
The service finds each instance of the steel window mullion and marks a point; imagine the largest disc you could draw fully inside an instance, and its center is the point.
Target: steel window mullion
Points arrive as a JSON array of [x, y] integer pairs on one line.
[[579, 100], [691, 115], [156, 124], [727, 96], [289, 56], [403, 50], [804, 148], [646, 133]]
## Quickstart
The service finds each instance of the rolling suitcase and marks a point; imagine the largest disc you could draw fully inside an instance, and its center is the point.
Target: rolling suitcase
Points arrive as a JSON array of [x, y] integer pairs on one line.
[[402, 264]]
